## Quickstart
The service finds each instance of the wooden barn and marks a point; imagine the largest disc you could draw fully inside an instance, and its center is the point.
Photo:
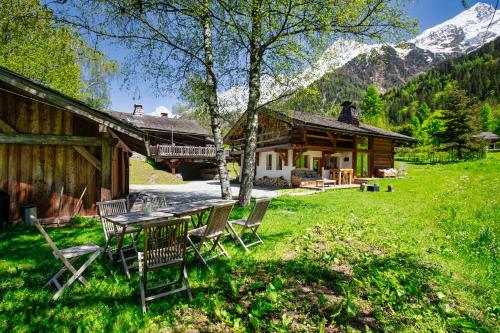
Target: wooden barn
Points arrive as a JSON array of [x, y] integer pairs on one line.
[[290, 140], [52, 144], [182, 145]]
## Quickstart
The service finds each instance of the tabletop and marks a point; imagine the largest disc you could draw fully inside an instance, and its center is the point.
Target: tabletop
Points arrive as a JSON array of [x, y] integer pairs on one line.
[[138, 217], [190, 208]]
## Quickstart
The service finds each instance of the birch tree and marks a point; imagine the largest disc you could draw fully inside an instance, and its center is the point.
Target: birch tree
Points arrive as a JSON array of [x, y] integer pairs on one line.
[[168, 41], [279, 38]]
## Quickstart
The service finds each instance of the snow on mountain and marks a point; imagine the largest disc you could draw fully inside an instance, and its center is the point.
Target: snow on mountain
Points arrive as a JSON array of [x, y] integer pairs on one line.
[[463, 33]]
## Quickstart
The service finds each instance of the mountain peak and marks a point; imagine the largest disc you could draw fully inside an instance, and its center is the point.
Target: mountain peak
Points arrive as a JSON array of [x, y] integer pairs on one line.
[[463, 33]]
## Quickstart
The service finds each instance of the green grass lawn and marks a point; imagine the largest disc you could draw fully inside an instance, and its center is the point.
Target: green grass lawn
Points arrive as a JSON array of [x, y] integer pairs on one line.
[[423, 258], [143, 173]]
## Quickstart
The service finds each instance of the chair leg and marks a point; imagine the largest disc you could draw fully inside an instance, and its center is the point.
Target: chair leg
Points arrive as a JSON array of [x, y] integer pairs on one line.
[[54, 278], [142, 286], [198, 254], [107, 249], [223, 249], [186, 282], [76, 275], [69, 266], [238, 237], [124, 263]]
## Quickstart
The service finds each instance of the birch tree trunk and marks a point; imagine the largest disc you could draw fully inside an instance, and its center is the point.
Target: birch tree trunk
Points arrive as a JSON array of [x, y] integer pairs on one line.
[[213, 107], [248, 170]]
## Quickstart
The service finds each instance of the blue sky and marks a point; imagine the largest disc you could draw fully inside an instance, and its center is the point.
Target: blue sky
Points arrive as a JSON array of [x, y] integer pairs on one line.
[[428, 12]]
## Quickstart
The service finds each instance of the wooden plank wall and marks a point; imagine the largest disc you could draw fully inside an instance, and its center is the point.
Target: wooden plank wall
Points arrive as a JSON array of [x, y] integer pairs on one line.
[[382, 152], [34, 174]]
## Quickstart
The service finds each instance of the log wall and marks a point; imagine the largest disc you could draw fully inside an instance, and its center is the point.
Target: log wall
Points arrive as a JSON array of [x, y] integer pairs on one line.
[[382, 154], [35, 174]]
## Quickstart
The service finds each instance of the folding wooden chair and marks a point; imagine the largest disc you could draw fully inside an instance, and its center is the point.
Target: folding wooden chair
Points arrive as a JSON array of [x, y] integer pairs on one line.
[[68, 256], [212, 232], [164, 246], [252, 223], [117, 207], [158, 202]]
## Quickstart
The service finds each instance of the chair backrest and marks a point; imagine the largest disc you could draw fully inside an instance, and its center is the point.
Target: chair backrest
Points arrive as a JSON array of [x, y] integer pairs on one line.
[[46, 236], [165, 241], [158, 202], [258, 212], [110, 208], [217, 220]]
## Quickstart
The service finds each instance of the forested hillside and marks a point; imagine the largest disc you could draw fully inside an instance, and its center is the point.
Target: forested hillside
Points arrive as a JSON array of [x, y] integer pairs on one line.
[[477, 73]]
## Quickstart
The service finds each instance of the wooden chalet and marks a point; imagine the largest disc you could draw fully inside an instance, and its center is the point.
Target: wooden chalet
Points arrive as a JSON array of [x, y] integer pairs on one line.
[[173, 141], [52, 144], [288, 140]]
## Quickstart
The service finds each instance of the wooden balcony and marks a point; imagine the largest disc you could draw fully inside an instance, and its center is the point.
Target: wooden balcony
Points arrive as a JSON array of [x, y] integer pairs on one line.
[[170, 151]]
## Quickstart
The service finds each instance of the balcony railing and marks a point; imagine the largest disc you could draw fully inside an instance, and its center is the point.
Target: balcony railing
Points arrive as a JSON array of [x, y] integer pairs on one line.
[[184, 151]]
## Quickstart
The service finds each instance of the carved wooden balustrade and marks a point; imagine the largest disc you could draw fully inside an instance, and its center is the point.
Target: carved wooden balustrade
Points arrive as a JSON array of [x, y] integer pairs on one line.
[[184, 151]]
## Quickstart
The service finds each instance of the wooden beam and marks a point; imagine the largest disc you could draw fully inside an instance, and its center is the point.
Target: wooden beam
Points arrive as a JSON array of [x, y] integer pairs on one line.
[[49, 140], [284, 155], [120, 142], [6, 128], [106, 167], [88, 156], [296, 155], [323, 137]]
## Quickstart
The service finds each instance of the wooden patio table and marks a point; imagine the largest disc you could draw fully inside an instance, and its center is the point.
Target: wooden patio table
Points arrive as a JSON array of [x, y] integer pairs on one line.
[[196, 209], [133, 218]]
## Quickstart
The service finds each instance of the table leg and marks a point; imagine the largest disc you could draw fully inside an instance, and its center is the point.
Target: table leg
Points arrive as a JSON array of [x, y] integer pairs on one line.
[[120, 245]]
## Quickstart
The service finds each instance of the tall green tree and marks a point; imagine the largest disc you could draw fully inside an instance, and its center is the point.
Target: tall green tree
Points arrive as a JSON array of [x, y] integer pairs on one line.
[[460, 121], [487, 120], [33, 45], [423, 112], [432, 126], [371, 104]]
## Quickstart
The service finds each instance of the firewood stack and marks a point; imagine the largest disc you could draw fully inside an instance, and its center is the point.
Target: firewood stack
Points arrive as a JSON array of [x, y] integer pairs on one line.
[[272, 182]]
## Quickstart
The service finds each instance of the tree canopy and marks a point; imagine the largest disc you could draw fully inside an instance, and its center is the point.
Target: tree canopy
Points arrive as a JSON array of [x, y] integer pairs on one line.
[[32, 44]]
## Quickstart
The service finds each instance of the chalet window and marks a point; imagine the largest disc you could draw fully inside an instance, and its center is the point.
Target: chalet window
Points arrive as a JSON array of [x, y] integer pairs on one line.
[[269, 162], [279, 162], [302, 162], [362, 143]]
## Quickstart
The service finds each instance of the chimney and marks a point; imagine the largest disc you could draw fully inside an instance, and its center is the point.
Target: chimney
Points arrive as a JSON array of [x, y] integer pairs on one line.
[[164, 114], [138, 111], [349, 114]]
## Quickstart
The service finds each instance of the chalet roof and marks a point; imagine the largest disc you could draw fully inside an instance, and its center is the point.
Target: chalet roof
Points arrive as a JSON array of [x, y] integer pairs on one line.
[[26, 87], [311, 120], [162, 124], [488, 136]]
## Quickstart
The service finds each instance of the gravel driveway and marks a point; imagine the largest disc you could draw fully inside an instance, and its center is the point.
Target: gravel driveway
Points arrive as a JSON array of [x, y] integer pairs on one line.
[[197, 190]]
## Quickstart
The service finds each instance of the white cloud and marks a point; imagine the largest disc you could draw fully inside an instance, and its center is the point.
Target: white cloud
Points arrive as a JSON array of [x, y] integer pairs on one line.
[[163, 109]]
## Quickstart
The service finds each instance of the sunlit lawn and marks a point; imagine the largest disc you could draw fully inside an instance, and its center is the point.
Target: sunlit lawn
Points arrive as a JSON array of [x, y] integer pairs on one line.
[[423, 258]]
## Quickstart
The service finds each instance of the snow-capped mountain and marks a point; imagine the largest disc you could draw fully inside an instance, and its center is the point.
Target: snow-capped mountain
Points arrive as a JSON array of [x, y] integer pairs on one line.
[[385, 65]]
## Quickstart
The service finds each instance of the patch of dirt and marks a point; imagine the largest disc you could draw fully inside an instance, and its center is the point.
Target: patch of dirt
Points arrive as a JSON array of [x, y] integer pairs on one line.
[[344, 269], [289, 255]]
